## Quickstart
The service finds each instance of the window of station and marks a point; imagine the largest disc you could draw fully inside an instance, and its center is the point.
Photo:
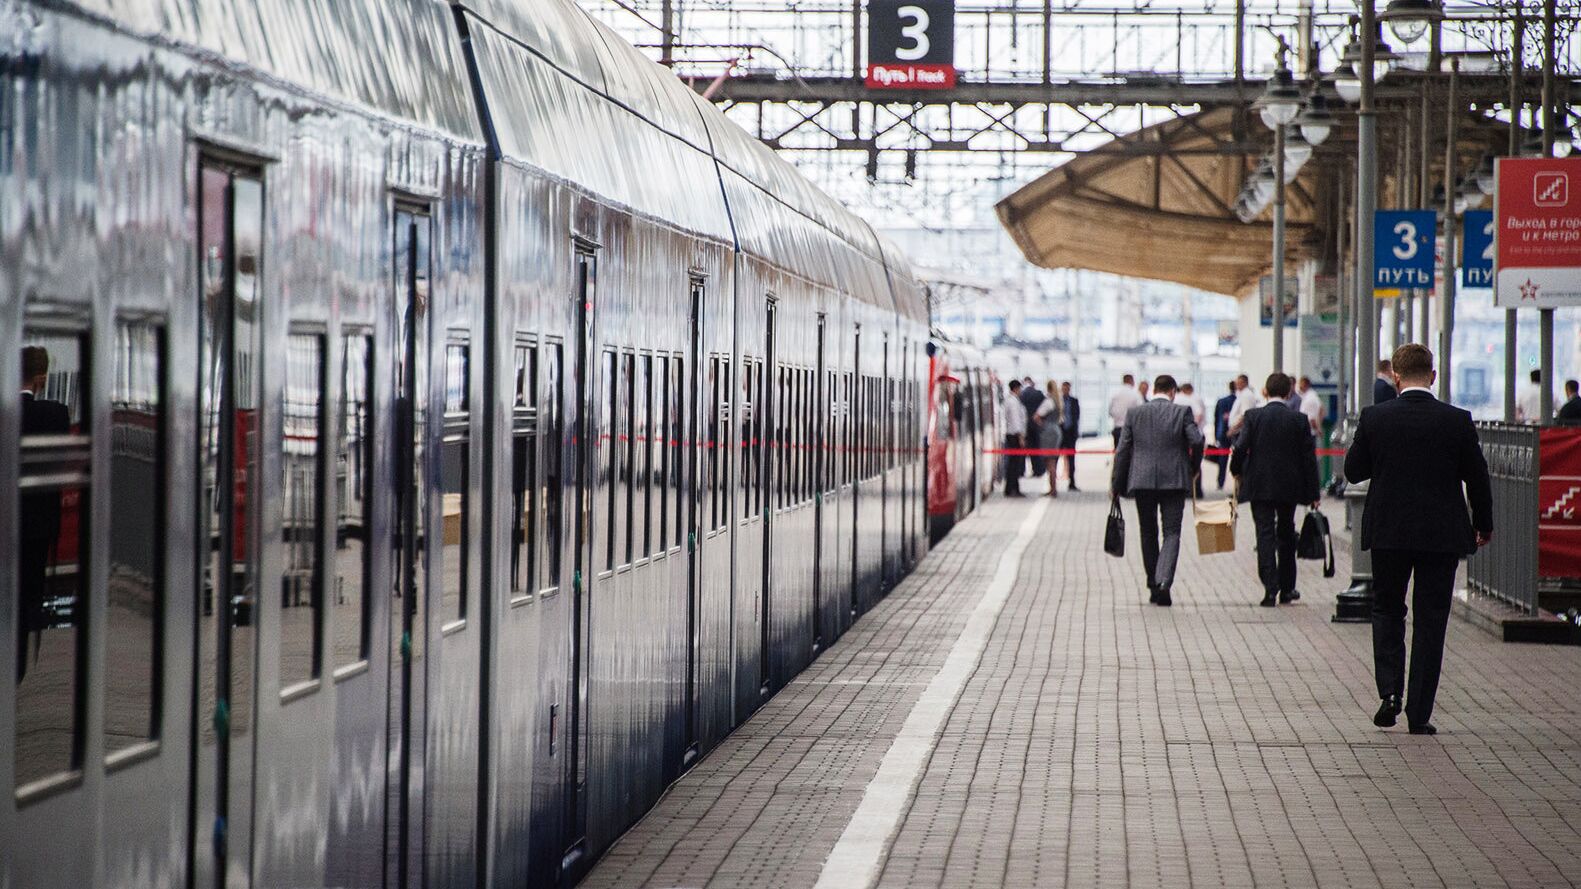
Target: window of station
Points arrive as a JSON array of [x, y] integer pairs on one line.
[[551, 424], [524, 471], [301, 462], [455, 460], [52, 550], [135, 583], [352, 613]]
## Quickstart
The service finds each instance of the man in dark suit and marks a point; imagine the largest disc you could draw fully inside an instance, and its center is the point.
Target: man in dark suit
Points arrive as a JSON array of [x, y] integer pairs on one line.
[[1070, 431], [1031, 397], [1424, 462], [1160, 450], [39, 510], [1221, 429], [1276, 463], [1383, 386], [1570, 411]]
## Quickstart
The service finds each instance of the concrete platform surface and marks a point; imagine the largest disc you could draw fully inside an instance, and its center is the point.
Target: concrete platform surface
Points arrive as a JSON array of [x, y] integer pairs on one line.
[[1016, 714]]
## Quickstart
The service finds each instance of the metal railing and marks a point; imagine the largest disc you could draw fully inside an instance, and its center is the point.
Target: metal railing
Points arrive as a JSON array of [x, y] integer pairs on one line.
[[1507, 567]]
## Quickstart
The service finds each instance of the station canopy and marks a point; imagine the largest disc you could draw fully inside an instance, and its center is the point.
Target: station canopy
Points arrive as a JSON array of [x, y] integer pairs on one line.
[[1158, 203]]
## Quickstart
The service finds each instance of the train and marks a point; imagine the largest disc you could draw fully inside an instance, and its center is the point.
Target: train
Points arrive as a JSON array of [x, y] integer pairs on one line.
[[436, 427]]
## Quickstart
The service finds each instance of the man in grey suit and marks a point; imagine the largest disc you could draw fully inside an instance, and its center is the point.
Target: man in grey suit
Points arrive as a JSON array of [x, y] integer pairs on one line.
[[1158, 454]]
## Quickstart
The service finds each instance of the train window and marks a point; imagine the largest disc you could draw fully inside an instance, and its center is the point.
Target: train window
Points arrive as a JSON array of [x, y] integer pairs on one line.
[[134, 587], [679, 446], [642, 442], [749, 423], [628, 444], [663, 436], [352, 613], [51, 564], [720, 441], [609, 440], [455, 462], [524, 472], [553, 435], [301, 462]]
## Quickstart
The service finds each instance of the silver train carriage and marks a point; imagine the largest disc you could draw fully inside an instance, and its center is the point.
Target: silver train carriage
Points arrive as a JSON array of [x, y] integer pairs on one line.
[[433, 427]]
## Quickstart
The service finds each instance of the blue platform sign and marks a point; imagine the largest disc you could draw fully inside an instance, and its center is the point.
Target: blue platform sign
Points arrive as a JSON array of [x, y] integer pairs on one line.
[[1402, 251], [1477, 263]]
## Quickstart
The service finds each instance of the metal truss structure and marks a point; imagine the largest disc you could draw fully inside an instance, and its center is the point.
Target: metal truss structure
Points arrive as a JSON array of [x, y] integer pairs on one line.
[[1038, 82]]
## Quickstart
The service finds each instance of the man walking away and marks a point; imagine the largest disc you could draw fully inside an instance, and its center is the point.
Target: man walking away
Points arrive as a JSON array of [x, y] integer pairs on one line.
[[1529, 409], [1245, 400], [1159, 450], [1570, 411], [1070, 429], [1015, 439], [1120, 404], [1032, 399], [1383, 387], [1312, 406], [1187, 395], [1221, 430], [1276, 461], [1425, 463]]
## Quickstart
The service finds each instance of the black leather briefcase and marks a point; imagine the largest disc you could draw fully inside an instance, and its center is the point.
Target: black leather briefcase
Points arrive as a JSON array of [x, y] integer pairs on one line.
[[1114, 532], [1315, 542]]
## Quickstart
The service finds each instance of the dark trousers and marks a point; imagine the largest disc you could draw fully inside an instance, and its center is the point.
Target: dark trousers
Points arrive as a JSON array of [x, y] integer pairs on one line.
[[1392, 570], [1155, 509], [1015, 465], [1068, 440], [1276, 545], [1116, 434], [1224, 468]]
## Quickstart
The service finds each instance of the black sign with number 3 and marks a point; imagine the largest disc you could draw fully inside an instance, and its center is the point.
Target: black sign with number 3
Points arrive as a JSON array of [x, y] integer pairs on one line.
[[911, 44]]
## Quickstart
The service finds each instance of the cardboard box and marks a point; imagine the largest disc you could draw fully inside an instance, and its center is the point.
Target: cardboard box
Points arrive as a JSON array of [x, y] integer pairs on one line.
[[1215, 521]]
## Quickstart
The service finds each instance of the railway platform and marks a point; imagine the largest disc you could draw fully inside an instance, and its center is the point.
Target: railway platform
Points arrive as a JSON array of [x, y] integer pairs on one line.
[[1015, 714]]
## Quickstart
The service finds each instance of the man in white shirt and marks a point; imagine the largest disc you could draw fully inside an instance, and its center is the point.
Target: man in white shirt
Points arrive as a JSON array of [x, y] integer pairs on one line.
[[1311, 405], [1529, 408], [1015, 438], [1120, 404], [1199, 409], [1246, 399]]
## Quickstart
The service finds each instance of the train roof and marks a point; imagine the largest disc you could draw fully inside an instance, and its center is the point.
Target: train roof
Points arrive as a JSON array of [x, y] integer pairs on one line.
[[398, 57]]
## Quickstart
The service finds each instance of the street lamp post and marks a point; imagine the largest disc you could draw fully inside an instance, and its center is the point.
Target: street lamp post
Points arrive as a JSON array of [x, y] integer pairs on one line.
[[1545, 317], [1354, 605], [1278, 106], [1446, 300]]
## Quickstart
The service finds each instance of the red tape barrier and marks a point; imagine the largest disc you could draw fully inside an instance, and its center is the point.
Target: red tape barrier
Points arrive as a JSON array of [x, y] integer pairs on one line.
[[1065, 452]]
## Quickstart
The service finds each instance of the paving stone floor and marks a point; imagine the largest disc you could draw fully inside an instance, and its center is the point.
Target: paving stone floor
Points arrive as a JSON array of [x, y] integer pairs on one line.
[[1102, 742]]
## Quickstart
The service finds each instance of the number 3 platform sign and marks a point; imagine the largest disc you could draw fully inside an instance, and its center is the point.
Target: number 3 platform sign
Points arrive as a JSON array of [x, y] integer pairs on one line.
[[911, 44], [1537, 233], [1403, 251]]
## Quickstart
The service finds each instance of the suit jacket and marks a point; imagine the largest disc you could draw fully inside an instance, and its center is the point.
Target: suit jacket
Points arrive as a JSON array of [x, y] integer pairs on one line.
[[1275, 456], [1571, 410], [1221, 419], [1031, 397], [1382, 391], [1072, 420], [40, 510], [1160, 448], [1424, 462]]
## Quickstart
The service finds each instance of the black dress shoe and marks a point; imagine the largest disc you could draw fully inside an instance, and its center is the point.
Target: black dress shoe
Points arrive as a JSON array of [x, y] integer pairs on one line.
[[1152, 594], [1074, 488], [1425, 728], [1388, 713], [1287, 598], [1269, 601], [1163, 598]]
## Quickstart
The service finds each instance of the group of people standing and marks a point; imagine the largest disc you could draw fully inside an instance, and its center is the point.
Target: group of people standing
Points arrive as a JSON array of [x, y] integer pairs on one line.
[[1040, 421], [1429, 504]]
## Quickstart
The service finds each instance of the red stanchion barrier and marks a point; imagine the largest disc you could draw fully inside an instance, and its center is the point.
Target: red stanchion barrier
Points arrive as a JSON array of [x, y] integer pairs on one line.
[[1063, 452]]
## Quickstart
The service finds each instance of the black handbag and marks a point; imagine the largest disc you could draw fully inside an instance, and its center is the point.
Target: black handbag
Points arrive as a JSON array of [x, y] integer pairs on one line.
[[1315, 542], [1114, 532]]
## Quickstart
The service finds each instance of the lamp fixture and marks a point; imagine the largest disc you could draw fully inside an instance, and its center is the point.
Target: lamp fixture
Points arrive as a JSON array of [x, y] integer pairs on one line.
[[1281, 100], [1315, 120], [1410, 19]]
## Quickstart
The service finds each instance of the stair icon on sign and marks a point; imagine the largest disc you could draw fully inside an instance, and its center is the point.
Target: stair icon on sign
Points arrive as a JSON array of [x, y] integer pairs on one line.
[[1559, 505]]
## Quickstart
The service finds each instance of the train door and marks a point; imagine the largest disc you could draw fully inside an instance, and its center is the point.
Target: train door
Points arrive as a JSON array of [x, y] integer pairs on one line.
[[771, 443], [885, 398], [855, 422], [583, 483], [410, 552], [231, 231], [817, 451]]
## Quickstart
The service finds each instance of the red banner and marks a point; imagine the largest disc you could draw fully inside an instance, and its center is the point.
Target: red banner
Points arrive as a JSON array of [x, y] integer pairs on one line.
[[1537, 232], [1559, 504]]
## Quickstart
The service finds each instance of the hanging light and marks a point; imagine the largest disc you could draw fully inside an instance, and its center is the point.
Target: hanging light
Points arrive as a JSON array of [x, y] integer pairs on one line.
[[1347, 84], [1562, 137], [1315, 120], [1470, 192], [1484, 175], [1297, 152], [1409, 19], [1383, 58], [1281, 101]]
